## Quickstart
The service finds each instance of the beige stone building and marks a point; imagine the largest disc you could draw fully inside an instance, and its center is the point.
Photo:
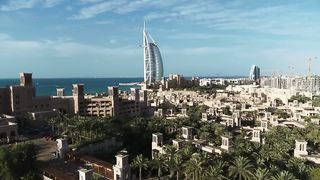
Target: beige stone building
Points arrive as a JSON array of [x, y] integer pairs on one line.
[[177, 81], [18, 100]]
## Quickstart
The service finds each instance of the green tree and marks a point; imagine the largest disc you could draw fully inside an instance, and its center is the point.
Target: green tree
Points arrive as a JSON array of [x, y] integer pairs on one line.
[[281, 114], [175, 164], [241, 168], [159, 162], [215, 172], [18, 162], [284, 175], [316, 101], [299, 98], [314, 174], [262, 174], [5, 164], [23, 157], [298, 168], [141, 163], [193, 167], [170, 151]]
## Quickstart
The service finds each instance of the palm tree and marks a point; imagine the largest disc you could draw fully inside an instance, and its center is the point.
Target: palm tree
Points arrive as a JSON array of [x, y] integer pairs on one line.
[[298, 167], [175, 164], [262, 174], [314, 173], [214, 172], [170, 151], [284, 175], [141, 163], [159, 163], [187, 151], [241, 168], [193, 167]]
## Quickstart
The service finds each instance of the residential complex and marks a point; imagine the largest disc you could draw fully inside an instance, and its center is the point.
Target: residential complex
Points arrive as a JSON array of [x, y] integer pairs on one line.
[[241, 102], [254, 76], [310, 84]]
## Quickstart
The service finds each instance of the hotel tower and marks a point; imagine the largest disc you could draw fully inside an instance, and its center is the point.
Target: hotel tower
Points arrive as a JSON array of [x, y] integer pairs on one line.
[[153, 67]]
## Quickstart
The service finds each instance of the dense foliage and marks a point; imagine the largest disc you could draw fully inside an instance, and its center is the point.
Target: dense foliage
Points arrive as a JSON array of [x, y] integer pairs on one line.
[[246, 160], [212, 89], [316, 101], [18, 162], [300, 98], [83, 130]]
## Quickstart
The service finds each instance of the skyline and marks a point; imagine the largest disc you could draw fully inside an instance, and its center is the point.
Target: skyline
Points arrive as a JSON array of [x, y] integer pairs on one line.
[[58, 38]]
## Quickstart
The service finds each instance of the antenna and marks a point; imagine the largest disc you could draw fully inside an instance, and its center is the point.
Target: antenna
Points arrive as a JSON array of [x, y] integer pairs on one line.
[[145, 35], [145, 32]]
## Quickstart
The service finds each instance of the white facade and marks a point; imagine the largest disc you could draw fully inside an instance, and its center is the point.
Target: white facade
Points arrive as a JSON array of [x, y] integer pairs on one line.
[[310, 84], [153, 66], [122, 169], [62, 147]]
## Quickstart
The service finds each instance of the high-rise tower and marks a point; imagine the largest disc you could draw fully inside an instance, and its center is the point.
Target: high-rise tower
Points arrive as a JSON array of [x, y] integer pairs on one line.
[[153, 66], [254, 73]]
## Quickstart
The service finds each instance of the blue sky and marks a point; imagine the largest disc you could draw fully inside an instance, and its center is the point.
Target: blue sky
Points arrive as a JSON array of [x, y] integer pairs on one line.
[[101, 38]]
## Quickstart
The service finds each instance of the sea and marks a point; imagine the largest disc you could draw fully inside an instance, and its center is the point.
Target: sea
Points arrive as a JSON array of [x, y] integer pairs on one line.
[[47, 87]]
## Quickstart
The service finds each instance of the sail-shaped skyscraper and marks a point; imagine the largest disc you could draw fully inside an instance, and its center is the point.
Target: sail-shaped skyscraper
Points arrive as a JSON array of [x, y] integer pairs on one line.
[[153, 66]]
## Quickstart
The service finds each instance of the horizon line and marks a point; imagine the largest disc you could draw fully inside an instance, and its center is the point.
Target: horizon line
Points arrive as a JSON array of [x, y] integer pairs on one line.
[[131, 77]]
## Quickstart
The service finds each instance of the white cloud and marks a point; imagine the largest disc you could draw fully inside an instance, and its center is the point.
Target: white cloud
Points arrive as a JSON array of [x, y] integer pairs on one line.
[[19, 4], [113, 41], [97, 7], [203, 50], [52, 3], [196, 36], [93, 10], [59, 57], [103, 22], [4, 37], [61, 47], [160, 15], [90, 1], [137, 5], [14, 5], [69, 8]]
